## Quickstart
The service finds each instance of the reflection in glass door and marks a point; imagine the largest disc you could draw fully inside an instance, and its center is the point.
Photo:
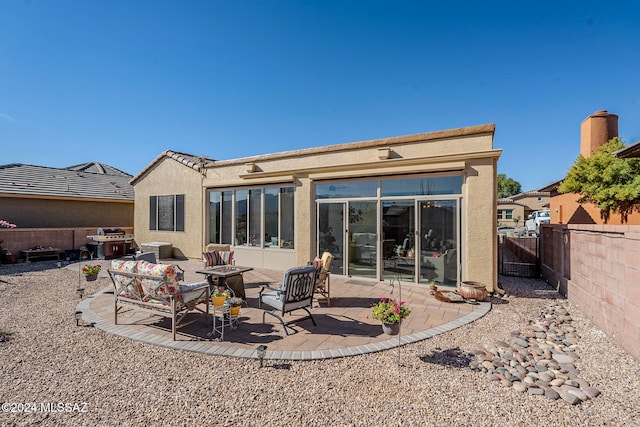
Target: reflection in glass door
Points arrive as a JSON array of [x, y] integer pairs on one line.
[[331, 231], [363, 239], [398, 246], [438, 241]]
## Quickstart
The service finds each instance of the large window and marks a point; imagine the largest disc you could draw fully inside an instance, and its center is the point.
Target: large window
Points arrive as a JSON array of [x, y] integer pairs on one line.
[[424, 186], [166, 213], [260, 217]]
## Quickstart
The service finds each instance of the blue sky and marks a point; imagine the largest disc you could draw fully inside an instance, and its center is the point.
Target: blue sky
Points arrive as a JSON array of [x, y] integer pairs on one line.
[[119, 82]]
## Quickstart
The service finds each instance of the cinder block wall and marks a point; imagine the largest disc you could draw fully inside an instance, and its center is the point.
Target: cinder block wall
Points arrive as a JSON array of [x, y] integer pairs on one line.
[[17, 239], [598, 268]]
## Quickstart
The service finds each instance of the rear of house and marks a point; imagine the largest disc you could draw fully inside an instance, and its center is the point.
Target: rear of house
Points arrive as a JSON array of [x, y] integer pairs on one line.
[[419, 208]]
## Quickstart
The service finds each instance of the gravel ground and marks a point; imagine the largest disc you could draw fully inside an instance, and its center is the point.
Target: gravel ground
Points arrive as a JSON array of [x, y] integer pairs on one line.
[[107, 380]]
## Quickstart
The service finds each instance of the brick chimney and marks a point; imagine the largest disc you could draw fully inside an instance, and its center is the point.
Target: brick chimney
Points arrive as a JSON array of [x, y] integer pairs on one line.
[[596, 130]]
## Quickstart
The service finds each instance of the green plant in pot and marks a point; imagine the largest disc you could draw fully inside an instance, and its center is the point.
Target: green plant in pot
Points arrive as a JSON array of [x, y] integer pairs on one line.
[[234, 304], [391, 313], [219, 296], [91, 271]]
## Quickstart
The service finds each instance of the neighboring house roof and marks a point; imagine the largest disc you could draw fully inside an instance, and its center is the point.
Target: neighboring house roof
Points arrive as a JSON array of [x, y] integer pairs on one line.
[[508, 201], [194, 162], [74, 182], [631, 151], [552, 187], [532, 193], [100, 168]]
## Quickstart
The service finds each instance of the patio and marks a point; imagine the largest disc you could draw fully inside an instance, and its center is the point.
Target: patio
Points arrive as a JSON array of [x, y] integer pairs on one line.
[[343, 329]]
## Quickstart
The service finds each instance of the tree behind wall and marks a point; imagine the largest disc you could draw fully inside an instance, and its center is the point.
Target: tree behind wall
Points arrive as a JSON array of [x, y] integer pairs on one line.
[[611, 183], [507, 186]]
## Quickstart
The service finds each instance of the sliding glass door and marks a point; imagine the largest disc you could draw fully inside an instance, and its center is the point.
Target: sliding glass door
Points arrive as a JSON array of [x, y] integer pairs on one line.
[[438, 241], [398, 230], [363, 239], [331, 233], [404, 228]]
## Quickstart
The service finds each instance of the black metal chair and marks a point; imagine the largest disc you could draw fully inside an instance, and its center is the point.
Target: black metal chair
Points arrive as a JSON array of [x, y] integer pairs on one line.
[[294, 293]]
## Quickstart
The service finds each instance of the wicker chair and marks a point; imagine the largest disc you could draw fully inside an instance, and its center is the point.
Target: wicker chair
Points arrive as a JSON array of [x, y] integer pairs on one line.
[[323, 284]]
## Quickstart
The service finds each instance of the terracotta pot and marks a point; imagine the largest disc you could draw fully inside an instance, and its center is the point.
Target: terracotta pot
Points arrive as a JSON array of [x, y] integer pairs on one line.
[[473, 290], [234, 310]]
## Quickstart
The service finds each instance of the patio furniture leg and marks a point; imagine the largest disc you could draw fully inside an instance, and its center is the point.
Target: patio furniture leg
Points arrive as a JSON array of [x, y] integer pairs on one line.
[[277, 317]]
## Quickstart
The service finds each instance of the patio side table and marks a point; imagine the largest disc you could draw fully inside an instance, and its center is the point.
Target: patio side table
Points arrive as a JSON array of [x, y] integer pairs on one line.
[[222, 318]]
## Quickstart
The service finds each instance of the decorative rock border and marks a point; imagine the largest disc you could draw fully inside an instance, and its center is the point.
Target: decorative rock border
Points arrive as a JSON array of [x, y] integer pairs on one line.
[[539, 360]]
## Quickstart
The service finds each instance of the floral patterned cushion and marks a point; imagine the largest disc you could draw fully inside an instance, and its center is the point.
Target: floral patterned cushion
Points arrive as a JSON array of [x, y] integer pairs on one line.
[[126, 286], [157, 290]]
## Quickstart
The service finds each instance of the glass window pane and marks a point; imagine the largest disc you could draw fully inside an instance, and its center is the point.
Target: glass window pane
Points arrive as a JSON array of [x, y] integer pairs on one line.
[[255, 217], [214, 216], [227, 215], [271, 202], [242, 197], [338, 190], [166, 213], [422, 186], [287, 217]]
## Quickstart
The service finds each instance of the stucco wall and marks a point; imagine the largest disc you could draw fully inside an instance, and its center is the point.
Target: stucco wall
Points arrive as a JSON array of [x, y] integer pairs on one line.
[[598, 268], [479, 262], [517, 212], [46, 213], [565, 209], [170, 177], [468, 151]]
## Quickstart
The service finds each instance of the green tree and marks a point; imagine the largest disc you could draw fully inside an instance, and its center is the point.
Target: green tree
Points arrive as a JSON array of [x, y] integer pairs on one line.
[[507, 186], [605, 180]]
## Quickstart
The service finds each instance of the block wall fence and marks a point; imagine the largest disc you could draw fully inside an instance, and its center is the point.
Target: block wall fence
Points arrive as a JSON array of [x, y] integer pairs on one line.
[[597, 267], [17, 239]]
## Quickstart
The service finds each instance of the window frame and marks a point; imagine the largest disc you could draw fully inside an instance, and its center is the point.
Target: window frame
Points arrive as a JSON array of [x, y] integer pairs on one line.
[[177, 214]]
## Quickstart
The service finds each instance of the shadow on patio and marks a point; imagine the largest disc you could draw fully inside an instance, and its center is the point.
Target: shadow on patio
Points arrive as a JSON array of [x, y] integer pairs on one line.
[[343, 329]]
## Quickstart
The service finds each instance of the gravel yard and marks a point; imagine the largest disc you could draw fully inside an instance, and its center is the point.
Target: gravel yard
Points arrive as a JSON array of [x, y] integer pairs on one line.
[[106, 380]]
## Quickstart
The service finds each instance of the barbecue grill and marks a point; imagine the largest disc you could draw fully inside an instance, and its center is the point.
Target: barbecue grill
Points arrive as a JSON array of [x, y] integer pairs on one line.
[[110, 243]]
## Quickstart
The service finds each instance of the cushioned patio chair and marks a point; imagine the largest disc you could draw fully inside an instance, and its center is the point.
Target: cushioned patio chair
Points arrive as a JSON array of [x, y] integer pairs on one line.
[[146, 256], [323, 283], [294, 293]]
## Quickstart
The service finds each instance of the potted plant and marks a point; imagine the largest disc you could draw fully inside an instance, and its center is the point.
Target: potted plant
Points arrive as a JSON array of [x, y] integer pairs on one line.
[[6, 257], [91, 271], [218, 296], [391, 313], [433, 287], [234, 304]]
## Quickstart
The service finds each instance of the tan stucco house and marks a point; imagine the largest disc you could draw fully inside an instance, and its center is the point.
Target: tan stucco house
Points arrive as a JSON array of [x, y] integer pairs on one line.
[[86, 195], [515, 209], [417, 207]]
